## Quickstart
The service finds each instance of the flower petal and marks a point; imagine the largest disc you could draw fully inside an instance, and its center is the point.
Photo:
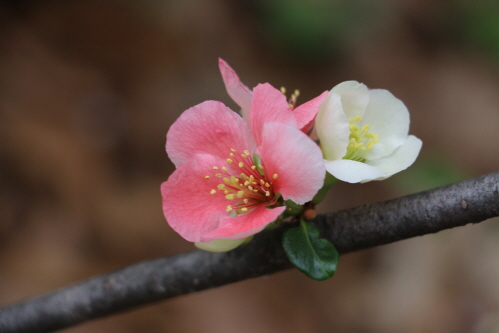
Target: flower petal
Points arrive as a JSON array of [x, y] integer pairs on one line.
[[402, 158], [354, 97], [332, 127], [209, 127], [387, 117], [188, 205], [235, 88], [295, 158], [268, 105], [352, 171], [245, 225], [220, 244], [305, 113]]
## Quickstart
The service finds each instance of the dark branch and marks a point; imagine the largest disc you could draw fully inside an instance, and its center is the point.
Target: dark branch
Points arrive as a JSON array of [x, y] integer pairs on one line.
[[470, 201]]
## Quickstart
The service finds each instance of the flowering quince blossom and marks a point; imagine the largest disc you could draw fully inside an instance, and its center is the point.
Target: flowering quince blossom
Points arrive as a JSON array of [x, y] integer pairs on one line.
[[364, 133], [233, 174]]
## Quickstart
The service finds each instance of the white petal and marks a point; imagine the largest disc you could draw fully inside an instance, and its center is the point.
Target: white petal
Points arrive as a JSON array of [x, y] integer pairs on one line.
[[220, 244], [387, 117], [401, 159], [354, 97], [332, 128], [352, 171]]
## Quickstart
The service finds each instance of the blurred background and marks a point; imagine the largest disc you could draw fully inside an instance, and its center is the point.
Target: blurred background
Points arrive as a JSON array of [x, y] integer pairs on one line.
[[89, 88]]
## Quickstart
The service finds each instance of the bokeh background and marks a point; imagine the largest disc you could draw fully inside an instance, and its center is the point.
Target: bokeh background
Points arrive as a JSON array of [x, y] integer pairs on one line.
[[89, 88]]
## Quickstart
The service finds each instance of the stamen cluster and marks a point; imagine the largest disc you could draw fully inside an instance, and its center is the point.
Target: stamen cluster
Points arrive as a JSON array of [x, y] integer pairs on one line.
[[251, 186], [293, 99], [361, 140]]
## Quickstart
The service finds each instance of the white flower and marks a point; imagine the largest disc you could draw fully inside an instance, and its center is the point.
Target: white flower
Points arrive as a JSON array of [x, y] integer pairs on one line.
[[364, 133]]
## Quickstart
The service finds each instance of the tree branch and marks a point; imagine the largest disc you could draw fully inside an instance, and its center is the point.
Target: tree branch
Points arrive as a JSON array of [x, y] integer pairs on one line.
[[470, 201]]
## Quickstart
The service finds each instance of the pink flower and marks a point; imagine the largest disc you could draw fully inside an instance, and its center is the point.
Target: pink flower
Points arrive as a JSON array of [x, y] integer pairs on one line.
[[232, 175]]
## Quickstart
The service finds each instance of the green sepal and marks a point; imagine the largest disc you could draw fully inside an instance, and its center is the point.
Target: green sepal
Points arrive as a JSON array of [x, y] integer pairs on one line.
[[329, 181], [292, 208], [315, 257], [257, 161]]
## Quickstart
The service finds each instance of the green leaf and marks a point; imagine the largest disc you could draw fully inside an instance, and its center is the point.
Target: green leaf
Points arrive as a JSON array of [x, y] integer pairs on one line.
[[315, 257]]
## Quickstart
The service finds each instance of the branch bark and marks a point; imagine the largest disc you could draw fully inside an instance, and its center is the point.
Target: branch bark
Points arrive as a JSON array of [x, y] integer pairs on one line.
[[470, 201]]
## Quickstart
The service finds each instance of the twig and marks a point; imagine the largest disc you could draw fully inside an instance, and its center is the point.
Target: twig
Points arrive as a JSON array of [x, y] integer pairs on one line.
[[470, 201]]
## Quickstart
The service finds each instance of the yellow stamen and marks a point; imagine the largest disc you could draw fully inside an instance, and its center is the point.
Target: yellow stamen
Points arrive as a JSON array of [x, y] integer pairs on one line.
[[247, 152], [207, 177], [215, 168], [229, 196], [240, 164], [361, 141], [218, 175], [275, 176], [240, 194], [253, 167], [244, 209], [213, 191], [229, 208], [233, 150], [267, 193], [356, 119]]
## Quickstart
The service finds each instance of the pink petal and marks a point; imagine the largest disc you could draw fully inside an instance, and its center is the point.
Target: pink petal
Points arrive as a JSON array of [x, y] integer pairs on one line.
[[295, 158], [245, 225], [209, 127], [269, 105], [188, 206], [237, 91], [305, 113]]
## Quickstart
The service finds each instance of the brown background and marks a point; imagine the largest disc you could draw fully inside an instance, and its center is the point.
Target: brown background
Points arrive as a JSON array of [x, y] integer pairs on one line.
[[88, 90]]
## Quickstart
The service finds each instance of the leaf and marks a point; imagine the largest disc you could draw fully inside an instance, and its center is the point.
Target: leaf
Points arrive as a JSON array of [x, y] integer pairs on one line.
[[315, 257]]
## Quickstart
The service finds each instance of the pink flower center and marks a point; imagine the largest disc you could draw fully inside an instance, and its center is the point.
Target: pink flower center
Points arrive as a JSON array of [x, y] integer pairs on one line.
[[248, 189]]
